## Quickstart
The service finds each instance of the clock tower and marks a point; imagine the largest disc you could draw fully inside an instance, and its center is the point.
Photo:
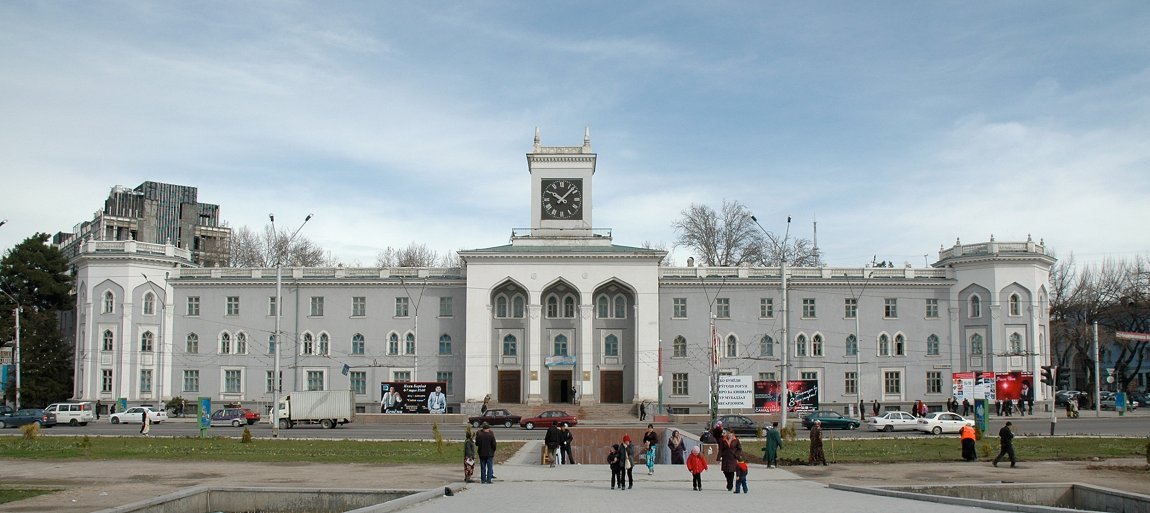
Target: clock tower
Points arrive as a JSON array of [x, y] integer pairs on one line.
[[561, 189]]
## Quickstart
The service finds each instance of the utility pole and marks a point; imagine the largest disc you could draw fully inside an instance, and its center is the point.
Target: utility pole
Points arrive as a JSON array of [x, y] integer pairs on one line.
[[1097, 374], [783, 390], [277, 381], [16, 355]]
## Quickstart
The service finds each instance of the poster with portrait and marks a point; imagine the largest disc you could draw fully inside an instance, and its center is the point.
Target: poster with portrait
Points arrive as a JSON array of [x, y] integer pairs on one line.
[[413, 397], [802, 396]]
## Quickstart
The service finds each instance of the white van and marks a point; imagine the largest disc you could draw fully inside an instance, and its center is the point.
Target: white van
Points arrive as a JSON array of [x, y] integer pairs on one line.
[[73, 414]]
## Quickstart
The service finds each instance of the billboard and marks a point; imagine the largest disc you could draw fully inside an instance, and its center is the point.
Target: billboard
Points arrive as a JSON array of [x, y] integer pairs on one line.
[[802, 396], [413, 397], [736, 392]]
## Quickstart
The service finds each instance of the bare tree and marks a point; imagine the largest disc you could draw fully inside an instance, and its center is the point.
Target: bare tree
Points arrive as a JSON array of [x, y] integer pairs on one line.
[[730, 238], [414, 255], [249, 249], [666, 261]]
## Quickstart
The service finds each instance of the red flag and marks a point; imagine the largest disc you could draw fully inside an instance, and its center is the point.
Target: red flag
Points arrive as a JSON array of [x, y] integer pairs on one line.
[[715, 346]]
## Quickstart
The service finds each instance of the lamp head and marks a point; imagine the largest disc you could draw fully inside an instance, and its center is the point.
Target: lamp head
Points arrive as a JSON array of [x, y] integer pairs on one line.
[[755, 219], [272, 217], [308, 218]]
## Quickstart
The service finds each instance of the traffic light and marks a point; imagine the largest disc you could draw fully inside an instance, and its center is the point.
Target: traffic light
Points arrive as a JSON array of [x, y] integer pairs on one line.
[[1048, 374]]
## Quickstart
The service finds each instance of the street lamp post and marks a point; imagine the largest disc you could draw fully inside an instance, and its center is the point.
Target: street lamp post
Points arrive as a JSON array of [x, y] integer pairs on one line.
[[783, 391], [16, 355], [277, 382]]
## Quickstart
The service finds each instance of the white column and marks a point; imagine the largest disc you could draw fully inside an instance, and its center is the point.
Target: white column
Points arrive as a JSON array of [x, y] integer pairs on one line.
[[533, 348], [588, 341]]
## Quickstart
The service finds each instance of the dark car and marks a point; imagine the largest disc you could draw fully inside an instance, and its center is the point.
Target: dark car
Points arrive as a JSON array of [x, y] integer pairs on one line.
[[234, 417], [548, 419], [739, 424], [495, 417], [830, 420], [28, 416]]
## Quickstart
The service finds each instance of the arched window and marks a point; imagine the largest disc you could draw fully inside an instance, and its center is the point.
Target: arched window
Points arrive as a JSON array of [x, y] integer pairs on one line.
[[308, 344], [620, 307], [409, 344], [852, 345], [445, 344], [501, 306], [149, 304], [324, 344], [732, 349], [603, 307], [611, 345], [559, 347], [192, 344], [766, 346], [147, 342], [899, 345], [357, 344], [1015, 305], [976, 344], [241, 343], [552, 306], [883, 345], [801, 345], [109, 302], [517, 307], [1015, 343], [817, 345], [679, 347], [109, 341], [393, 344], [510, 345], [225, 343], [569, 307], [975, 306], [932, 345]]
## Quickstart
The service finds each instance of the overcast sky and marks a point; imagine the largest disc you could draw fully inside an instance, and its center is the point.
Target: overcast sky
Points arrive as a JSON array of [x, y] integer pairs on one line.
[[898, 126]]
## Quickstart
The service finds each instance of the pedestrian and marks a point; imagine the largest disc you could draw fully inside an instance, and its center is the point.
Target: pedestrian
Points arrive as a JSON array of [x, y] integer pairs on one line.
[[483, 409], [615, 463], [677, 447], [574, 395], [998, 408], [145, 423], [696, 464], [862, 411], [565, 444], [729, 451], [967, 435], [741, 472], [552, 440], [874, 408], [649, 458], [642, 410], [485, 446], [1006, 442], [468, 456], [773, 445], [816, 455], [627, 460], [965, 407], [651, 442]]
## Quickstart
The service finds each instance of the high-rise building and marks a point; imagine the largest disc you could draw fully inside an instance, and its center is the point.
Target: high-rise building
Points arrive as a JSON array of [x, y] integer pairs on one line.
[[158, 213]]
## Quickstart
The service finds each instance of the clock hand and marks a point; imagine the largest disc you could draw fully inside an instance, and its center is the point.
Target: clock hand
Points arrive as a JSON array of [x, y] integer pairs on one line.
[[561, 199]]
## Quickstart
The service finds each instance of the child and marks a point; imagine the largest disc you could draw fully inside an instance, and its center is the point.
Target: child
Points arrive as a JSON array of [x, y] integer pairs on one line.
[[696, 464], [650, 457], [616, 465], [741, 481]]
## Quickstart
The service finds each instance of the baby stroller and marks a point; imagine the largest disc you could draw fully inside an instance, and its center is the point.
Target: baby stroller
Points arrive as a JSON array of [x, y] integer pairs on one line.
[[1072, 408]]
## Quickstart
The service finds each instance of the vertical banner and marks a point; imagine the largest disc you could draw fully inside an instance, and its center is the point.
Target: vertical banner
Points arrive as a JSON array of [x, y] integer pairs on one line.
[[205, 415], [766, 397]]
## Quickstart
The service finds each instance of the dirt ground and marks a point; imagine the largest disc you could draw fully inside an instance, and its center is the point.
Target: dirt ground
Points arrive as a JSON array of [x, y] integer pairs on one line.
[[91, 486]]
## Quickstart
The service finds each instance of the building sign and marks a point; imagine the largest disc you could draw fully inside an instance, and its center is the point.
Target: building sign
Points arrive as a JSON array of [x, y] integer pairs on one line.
[[553, 361], [413, 397], [802, 396], [736, 392]]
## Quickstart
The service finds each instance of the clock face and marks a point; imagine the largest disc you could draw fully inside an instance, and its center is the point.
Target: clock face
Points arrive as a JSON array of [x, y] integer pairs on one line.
[[562, 198]]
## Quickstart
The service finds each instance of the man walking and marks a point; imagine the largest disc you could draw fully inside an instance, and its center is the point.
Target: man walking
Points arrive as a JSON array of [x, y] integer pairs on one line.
[[1006, 441], [485, 446], [552, 440], [774, 443]]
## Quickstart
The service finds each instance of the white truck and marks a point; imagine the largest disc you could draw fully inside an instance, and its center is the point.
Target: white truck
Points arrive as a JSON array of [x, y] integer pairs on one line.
[[328, 408]]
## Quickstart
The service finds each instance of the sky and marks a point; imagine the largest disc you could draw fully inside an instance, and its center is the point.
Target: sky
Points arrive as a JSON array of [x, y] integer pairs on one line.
[[899, 127]]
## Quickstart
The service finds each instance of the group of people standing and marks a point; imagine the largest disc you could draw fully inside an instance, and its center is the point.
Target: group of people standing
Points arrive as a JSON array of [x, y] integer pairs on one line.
[[482, 446], [558, 441]]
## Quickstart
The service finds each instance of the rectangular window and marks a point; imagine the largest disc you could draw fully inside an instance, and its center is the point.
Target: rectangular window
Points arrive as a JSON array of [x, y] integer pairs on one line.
[[106, 381], [271, 306], [934, 382], [809, 375], [850, 308], [723, 308], [850, 382], [559, 346], [766, 308], [447, 378], [890, 308], [268, 381], [359, 306], [680, 308], [446, 307], [932, 309], [679, 383], [892, 382], [191, 381], [315, 380], [767, 376], [233, 306], [402, 376], [145, 381], [233, 381], [401, 304], [510, 346], [808, 308], [359, 382], [193, 306], [611, 345], [317, 306], [679, 348]]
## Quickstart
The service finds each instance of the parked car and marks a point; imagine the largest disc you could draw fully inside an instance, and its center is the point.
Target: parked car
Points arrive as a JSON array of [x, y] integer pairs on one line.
[[740, 424], [549, 418], [250, 415], [6, 410], [234, 417], [73, 414], [893, 421], [830, 420], [942, 422], [495, 417], [28, 416], [136, 414], [1109, 400]]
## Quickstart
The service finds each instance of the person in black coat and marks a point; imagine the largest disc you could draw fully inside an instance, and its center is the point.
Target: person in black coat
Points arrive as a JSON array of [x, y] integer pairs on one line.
[[1006, 442], [552, 440], [485, 446], [565, 444]]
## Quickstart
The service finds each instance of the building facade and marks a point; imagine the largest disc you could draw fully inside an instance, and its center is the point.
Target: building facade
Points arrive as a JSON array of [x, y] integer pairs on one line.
[[559, 314]]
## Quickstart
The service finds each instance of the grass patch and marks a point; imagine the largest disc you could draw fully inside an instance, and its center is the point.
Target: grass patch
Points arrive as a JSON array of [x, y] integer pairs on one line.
[[230, 449], [932, 449], [18, 494]]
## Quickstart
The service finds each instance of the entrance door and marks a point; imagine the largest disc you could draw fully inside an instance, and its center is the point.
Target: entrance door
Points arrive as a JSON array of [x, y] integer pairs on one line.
[[559, 386], [611, 387], [509, 387]]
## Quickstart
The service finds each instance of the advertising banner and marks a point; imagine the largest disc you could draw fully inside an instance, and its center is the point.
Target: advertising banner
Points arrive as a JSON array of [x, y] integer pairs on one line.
[[1014, 386], [802, 396], [736, 392], [413, 397]]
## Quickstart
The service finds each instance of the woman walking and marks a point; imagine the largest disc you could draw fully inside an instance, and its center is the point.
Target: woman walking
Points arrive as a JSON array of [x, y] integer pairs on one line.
[[677, 447], [730, 449], [468, 457], [816, 455]]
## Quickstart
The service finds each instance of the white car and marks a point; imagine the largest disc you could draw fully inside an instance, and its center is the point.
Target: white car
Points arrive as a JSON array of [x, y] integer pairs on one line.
[[942, 422], [136, 414], [893, 421]]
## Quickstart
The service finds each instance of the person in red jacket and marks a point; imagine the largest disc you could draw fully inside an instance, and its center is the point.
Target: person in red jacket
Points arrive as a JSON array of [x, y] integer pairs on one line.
[[696, 464]]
